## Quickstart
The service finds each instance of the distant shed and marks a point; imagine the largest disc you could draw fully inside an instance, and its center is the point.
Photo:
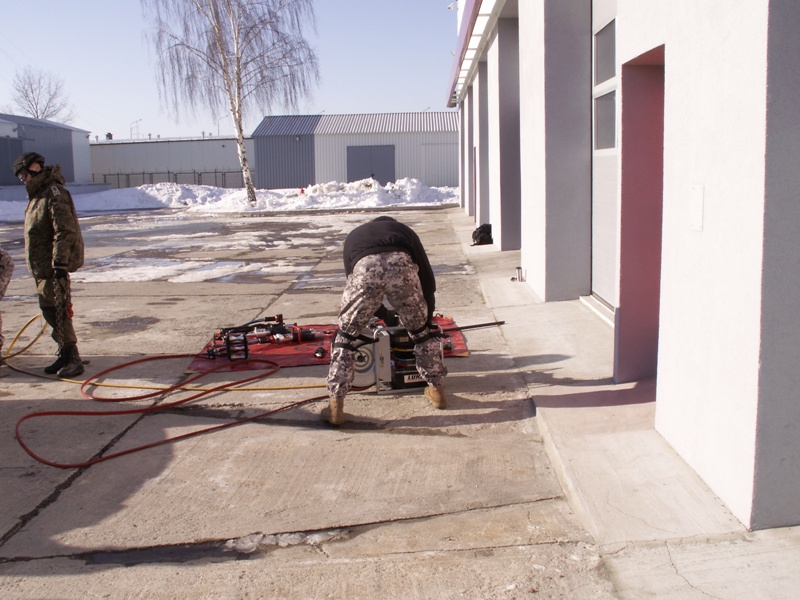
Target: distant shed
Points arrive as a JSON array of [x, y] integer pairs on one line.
[[58, 143], [302, 150]]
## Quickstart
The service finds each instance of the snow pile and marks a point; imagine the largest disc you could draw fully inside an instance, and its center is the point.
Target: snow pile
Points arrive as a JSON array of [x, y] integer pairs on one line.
[[366, 193]]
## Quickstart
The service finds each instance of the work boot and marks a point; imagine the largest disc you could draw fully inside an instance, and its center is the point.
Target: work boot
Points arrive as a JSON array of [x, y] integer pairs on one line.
[[74, 364], [335, 413], [60, 362], [435, 393]]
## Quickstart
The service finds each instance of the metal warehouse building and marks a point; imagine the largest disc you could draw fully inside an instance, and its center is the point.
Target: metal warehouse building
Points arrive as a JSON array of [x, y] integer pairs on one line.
[[301, 150], [200, 161], [59, 144]]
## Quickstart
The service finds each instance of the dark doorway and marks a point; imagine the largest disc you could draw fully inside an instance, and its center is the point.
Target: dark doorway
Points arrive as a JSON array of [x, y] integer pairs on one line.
[[641, 205]]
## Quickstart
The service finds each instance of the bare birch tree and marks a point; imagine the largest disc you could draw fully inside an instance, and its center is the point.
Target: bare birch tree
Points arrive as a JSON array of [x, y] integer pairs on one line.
[[41, 95], [233, 53]]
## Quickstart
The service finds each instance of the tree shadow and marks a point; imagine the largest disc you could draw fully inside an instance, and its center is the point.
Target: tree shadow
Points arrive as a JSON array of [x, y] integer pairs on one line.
[[42, 504]]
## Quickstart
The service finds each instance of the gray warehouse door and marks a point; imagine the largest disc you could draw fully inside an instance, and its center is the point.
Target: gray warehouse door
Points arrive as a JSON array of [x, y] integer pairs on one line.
[[370, 161]]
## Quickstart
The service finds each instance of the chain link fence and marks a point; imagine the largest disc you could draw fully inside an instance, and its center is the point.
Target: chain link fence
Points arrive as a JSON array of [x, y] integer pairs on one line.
[[222, 179]]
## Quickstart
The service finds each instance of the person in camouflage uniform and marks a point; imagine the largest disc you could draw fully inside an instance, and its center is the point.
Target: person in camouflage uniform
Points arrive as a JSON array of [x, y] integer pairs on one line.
[[54, 249], [385, 258], [6, 270]]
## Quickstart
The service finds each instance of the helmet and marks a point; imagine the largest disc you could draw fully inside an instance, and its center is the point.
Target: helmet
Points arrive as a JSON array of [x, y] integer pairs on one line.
[[26, 160]]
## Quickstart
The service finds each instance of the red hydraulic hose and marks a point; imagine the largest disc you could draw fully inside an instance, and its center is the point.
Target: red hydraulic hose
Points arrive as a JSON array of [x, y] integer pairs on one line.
[[273, 368]]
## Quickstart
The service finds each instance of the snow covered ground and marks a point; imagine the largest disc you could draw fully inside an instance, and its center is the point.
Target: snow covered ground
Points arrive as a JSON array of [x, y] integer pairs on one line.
[[366, 193], [201, 232]]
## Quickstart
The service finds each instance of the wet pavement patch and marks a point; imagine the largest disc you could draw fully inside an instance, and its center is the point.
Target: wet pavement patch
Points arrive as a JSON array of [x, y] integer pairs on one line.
[[208, 551], [127, 324]]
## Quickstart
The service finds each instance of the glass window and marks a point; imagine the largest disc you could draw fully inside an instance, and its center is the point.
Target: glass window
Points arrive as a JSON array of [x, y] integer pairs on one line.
[[605, 129], [605, 54]]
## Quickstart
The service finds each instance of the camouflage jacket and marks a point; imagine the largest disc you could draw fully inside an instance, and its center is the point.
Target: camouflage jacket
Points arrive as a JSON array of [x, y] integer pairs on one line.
[[52, 234]]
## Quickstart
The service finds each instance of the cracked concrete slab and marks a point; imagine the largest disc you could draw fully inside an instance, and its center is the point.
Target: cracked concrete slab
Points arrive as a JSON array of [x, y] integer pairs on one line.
[[542, 479], [456, 503], [261, 478]]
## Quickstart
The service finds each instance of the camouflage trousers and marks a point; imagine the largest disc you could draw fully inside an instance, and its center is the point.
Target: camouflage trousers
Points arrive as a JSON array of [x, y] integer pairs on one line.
[[48, 303], [6, 270], [392, 275]]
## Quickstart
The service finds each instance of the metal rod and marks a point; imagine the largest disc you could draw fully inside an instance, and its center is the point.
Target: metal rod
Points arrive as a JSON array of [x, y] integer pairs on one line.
[[476, 326]]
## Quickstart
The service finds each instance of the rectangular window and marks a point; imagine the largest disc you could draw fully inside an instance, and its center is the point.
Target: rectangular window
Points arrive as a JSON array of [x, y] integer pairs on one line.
[[605, 128], [605, 54]]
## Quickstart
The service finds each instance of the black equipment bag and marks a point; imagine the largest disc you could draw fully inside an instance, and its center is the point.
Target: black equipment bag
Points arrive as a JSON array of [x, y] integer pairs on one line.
[[482, 235]]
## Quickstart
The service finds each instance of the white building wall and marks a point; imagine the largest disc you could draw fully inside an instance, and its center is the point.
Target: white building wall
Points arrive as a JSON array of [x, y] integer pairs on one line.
[[466, 176], [480, 122], [602, 12], [729, 296], [713, 202], [430, 157], [555, 154], [81, 157], [210, 154], [533, 136]]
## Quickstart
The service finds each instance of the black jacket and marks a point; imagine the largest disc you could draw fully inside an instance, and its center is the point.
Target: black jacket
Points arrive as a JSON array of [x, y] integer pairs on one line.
[[384, 234]]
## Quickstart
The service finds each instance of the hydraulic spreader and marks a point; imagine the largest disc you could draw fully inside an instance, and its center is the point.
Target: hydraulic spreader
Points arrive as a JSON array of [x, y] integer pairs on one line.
[[234, 342]]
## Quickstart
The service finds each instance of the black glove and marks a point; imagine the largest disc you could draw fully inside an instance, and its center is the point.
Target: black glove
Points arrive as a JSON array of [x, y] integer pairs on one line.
[[59, 273], [388, 316]]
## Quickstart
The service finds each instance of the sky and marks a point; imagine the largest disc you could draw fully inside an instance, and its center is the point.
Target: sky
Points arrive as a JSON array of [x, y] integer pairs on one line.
[[375, 56]]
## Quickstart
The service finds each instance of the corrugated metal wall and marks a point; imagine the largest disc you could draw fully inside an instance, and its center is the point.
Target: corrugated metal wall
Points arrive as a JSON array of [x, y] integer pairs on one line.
[[284, 161], [425, 146], [52, 143], [59, 144], [10, 149], [439, 164], [81, 157], [133, 163], [430, 157], [218, 153]]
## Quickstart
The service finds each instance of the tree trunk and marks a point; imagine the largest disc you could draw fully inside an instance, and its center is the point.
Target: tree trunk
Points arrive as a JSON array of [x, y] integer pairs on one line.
[[246, 177]]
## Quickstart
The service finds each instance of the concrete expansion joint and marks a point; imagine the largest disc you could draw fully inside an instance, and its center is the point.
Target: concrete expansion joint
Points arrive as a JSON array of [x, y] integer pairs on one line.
[[64, 485], [620, 547], [425, 431], [204, 412], [28, 517]]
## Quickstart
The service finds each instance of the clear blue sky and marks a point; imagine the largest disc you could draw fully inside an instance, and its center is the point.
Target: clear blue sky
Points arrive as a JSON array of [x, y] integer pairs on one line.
[[374, 55]]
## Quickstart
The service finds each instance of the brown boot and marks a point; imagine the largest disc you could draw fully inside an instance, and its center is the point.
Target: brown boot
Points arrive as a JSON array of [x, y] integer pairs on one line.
[[335, 414], [435, 393]]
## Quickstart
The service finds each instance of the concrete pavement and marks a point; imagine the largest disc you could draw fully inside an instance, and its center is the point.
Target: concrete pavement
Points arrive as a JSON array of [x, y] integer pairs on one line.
[[543, 479]]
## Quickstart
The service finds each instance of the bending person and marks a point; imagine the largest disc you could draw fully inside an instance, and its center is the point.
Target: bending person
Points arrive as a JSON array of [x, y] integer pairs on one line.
[[385, 258]]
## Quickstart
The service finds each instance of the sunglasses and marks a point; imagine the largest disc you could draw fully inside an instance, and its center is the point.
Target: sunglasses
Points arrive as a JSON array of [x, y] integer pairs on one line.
[[23, 173]]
